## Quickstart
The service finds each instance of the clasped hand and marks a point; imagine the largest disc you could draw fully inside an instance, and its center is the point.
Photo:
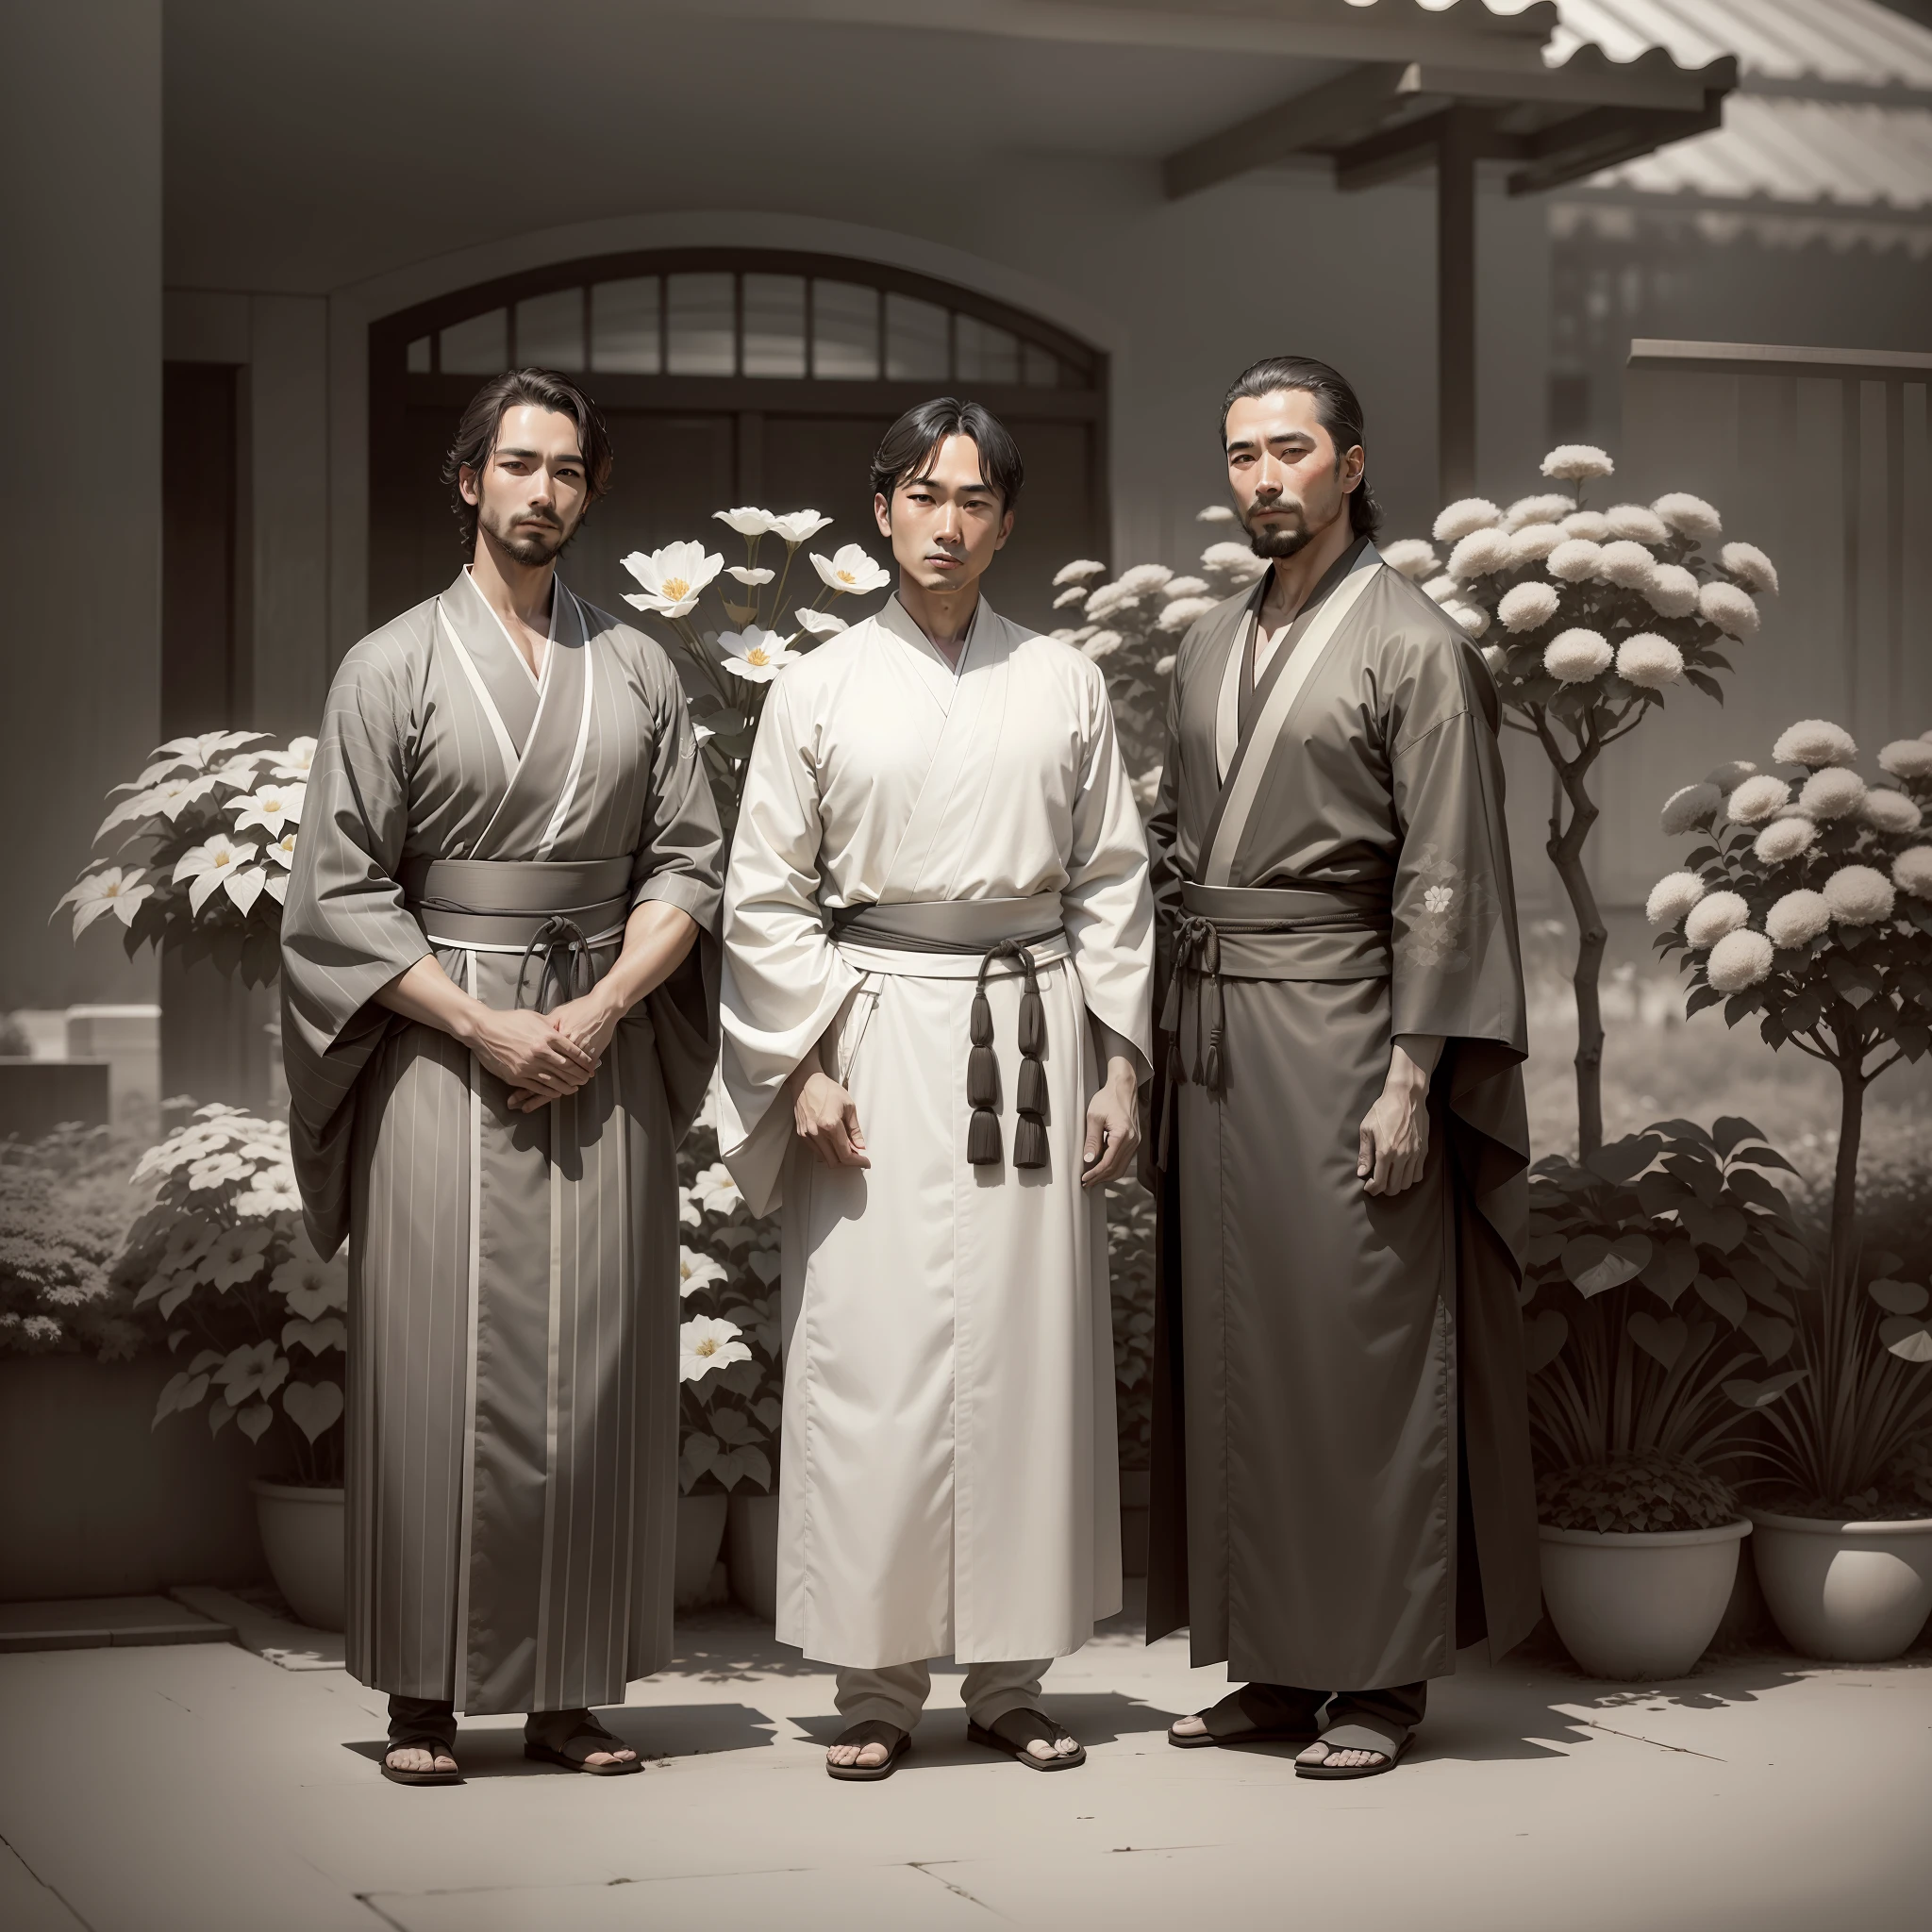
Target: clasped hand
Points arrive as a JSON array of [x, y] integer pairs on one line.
[[543, 1057]]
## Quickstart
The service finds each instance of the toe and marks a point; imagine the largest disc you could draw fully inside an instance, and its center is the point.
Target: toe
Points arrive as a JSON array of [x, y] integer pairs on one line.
[[1315, 1753], [1188, 1728]]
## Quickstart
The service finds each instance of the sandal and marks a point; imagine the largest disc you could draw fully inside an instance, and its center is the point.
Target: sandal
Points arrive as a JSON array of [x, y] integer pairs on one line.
[[1013, 1730], [871, 1730], [1360, 1734], [416, 1739], [569, 1737], [1255, 1714]]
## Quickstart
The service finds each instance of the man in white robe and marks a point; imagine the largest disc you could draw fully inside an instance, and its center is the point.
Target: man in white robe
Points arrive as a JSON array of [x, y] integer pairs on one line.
[[939, 951]]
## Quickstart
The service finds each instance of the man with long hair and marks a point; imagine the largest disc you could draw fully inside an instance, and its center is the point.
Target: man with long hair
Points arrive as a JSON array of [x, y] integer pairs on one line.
[[939, 946], [1342, 1485], [496, 956]]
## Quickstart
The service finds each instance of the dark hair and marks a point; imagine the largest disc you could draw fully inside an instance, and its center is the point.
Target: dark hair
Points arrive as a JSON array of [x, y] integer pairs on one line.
[[1336, 408], [914, 439], [542, 389]]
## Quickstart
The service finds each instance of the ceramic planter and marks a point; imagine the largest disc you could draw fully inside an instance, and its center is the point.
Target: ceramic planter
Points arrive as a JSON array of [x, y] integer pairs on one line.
[[1638, 1607], [753, 1552], [700, 1537], [1847, 1592], [301, 1536]]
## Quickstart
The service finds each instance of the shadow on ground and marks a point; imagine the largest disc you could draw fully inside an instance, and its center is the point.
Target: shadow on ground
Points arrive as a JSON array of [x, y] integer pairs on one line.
[[655, 1732]]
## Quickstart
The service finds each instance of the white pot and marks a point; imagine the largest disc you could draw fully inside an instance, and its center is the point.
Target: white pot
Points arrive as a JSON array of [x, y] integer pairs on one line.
[[301, 1536], [700, 1537], [752, 1553], [1638, 1607], [1848, 1592]]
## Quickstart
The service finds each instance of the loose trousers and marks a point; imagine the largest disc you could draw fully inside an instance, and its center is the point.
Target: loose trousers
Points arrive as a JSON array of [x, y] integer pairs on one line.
[[896, 1695]]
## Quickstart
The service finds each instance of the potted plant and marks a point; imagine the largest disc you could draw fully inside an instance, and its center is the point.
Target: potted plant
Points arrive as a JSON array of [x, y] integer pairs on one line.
[[1809, 905], [258, 1318]]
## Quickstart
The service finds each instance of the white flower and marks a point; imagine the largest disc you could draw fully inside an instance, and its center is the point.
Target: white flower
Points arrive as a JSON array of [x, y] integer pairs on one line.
[[1526, 606], [274, 808], [747, 522], [1713, 916], [696, 1269], [1590, 524], [1574, 559], [756, 656], [706, 1343], [208, 865], [1185, 587], [821, 624], [850, 571], [1577, 462], [1143, 577], [1473, 618], [1739, 960], [1783, 841], [1073, 594], [798, 524], [1437, 898], [295, 761], [748, 575], [1729, 776], [1441, 588], [243, 885], [1689, 808], [1890, 812], [1481, 554], [1859, 896], [1107, 599], [1534, 542], [1750, 566], [207, 749], [1574, 657], [1671, 591], [1797, 918], [1758, 799], [1412, 557], [1214, 513], [1497, 659], [117, 889], [1689, 516], [1183, 612], [1536, 510], [1907, 757], [1832, 793], [715, 1190], [1814, 741], [1728, 608], [1633, 521], [1625, 563], [1077, 571], [674, 578], [1672, 897], [1103, 643], [1234, 561], [1911, 872], [1649, 661], [1460, 518]]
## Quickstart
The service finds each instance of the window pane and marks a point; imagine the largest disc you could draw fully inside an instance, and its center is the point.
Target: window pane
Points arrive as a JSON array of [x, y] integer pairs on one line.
[[985, 354], [915, 340], [624, 327], [479, 346], [844, 331], [1039, 368], [550, 331], [702, 325], [775, 324], [418, 357]]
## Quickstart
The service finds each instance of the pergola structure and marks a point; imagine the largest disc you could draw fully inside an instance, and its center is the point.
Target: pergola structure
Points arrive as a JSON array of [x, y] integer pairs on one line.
[[1380, 120]]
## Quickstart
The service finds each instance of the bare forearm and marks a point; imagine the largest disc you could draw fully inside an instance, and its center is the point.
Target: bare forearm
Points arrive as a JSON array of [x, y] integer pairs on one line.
[[656, 937], [1412, 1059], [426, 994]]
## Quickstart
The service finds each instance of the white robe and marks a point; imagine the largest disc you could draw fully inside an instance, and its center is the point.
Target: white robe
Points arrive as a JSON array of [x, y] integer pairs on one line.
[[948, 1475]]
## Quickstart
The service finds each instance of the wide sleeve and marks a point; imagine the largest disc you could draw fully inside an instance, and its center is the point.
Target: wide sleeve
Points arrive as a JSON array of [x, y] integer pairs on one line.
[[1108, 902], [345, 932], [784, 981], [679, 860]]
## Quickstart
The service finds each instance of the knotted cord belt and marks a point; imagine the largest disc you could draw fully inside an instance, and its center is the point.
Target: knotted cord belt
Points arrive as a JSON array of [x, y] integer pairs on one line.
[[560, 945]]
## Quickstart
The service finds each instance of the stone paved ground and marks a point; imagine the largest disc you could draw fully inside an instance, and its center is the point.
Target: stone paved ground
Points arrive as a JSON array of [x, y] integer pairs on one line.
[[204, 1788]]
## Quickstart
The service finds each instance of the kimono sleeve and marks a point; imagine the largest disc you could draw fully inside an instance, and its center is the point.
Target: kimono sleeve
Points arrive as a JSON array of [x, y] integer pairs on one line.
[[346, 932]]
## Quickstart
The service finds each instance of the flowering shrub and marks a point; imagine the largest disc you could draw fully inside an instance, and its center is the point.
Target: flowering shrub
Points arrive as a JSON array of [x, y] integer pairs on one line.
[[735, 663], [64, 1209], [200, 844], [222, 1260], [1635, 1494]]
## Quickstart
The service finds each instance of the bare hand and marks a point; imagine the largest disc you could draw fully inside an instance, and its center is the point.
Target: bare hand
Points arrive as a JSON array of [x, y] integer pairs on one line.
[[590, 1023], [525, 1051], [1394, 1138], [1113, 1128], [827, 1116]]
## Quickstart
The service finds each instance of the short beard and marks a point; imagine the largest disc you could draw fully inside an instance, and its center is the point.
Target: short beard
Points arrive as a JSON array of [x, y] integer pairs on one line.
[[533, 543], [1282, 541]]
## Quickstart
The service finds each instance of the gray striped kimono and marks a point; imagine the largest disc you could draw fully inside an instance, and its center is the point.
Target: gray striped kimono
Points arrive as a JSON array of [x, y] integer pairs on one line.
[[512, 1381]]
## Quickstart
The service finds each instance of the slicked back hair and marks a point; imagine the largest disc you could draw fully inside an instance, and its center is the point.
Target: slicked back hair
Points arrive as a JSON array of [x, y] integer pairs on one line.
[[476, 433], [913, 443], [1337, 407]]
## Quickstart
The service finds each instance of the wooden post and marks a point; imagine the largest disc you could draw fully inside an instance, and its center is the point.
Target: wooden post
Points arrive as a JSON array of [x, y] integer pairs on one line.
[[1455, 152]]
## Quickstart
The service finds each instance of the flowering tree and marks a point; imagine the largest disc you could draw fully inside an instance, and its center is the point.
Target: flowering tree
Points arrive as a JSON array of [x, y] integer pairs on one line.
[[1596, 616], [733, 666]]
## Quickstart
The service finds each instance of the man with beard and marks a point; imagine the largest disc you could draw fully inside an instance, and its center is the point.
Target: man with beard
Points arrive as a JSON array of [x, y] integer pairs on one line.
[[1341, 1489], [496, 1031]]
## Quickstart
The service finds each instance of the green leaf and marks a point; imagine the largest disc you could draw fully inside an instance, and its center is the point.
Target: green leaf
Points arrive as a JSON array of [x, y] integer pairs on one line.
[[1763, 1157], [1673, 1267], [1718, 1228], [1900, 1297], [1726, 1297], [1622, 1160], [1729, 1131], [1701, 997], [1907, 1337], [1748, 1394], [1664, 1341], [1748, 1184], [1595, 1264], [1771, 1337]]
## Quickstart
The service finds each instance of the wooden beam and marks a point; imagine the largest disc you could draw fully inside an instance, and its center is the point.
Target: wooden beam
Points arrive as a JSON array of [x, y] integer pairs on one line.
[[1412, 146], [1460, 139], [1585, 143]]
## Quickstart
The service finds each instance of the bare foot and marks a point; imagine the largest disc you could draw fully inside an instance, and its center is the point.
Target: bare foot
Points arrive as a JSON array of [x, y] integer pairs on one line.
[[414, 1757], [1192, 1725], [611, 1756], [855, 1757], [1341, 1760], [1060, 1747]]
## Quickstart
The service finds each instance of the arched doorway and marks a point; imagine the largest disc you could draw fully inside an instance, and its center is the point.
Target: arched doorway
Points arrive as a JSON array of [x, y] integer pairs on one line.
[[732, 376]]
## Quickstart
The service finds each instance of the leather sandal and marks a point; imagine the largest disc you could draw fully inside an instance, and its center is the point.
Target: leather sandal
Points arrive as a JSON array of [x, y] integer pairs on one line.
[[569, 1737], [1360, 1734], [417, 1739], [1013, 1730], [1253, 1714], [871, 1730]]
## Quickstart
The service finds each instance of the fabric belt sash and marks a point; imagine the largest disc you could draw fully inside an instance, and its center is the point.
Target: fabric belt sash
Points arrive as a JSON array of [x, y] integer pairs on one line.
[[1258, 932], [554, 914]]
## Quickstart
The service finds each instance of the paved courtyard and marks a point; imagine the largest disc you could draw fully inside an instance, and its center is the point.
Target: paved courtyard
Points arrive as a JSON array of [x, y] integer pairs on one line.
[[205, 1787]]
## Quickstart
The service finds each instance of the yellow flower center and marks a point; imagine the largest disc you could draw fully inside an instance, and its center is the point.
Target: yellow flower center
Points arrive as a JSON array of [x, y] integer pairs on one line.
[[757, 655], [272, 804], [707, 1346], [222, 858], [675, 588], [846, 577]]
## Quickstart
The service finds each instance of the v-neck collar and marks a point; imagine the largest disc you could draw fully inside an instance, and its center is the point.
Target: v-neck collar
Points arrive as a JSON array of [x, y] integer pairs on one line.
[[941, 679], [516, 650]]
